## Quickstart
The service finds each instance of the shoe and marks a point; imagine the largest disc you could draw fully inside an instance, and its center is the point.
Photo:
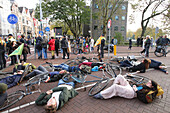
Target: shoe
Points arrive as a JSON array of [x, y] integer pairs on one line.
[[66, 57], [98, 96], [48, 78], [63, 58], [56, 57]]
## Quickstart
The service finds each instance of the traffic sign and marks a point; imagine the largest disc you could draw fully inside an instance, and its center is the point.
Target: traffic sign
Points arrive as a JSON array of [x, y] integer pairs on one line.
[[157, 30], [12, 19], [41, 33], [47, 29], [109, 23]]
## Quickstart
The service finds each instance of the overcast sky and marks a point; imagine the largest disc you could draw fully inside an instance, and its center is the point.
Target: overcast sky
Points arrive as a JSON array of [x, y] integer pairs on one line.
[[32, 4]]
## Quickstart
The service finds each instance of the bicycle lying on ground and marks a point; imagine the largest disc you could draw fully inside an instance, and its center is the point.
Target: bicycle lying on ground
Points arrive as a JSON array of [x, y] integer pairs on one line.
[[29, 87], [132, 79]]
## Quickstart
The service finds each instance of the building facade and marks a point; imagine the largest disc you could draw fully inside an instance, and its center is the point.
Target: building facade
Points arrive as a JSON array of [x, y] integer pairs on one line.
[[118, 20], [5, 27]]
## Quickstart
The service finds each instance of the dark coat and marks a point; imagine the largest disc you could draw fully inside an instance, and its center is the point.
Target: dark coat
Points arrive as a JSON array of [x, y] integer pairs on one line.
[[57, 43], [64, 97], [64, 43]]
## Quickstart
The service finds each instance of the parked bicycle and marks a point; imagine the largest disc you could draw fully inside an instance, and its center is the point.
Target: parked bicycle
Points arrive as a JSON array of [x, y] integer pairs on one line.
[[29, 89], [80, 50]]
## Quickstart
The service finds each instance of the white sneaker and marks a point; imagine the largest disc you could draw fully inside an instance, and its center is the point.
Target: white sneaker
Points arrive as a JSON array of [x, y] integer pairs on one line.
[[56, 57], [65, 57]]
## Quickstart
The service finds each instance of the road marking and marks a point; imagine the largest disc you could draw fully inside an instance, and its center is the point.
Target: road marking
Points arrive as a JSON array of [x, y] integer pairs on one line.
[[31, 103]]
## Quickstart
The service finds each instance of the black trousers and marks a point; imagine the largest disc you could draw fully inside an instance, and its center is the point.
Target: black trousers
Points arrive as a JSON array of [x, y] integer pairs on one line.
[[56, 50], [102, 52], [65, 52]]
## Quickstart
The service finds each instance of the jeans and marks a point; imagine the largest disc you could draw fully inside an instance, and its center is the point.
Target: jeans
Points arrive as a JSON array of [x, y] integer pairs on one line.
[[39, 70], [39, 53], [63, 66], [44, 50]]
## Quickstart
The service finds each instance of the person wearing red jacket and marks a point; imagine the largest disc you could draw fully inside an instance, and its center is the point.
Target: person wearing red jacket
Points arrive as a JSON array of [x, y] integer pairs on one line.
[[52, 46]]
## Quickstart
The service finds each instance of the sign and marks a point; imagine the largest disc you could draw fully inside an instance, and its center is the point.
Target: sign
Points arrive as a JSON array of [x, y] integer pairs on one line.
[[41, 33], [157, 30], [47, 29], [109, 23], [12, 19]]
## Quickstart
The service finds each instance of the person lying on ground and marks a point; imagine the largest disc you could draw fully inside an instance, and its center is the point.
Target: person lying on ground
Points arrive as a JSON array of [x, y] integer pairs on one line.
[[67, 67], [3, 93], [52, 76], [152, 64], [140, 67], [55, 98], [122, 88], [15, 79], [23, 66], [92, 64]]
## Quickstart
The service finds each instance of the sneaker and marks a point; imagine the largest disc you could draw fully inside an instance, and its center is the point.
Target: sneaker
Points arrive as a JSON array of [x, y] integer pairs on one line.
[[56, 57], [98, 96], [48, 78]]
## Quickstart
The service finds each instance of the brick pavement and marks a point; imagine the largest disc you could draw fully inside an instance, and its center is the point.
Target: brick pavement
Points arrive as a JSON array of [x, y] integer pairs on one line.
[[82, 103]]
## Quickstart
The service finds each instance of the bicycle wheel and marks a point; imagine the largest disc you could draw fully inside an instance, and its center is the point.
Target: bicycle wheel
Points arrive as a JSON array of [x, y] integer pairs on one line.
[[159, 53], [36, 78], [12, 99], [113, 70], [70, 77], [75, 51], [99, 86], [137, 80]]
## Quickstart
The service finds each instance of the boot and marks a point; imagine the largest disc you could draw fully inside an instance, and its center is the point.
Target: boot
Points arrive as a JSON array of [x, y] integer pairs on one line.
[[53, 57]]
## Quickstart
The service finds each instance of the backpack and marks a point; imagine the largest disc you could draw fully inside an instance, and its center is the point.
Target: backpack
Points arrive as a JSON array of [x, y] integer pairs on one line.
[[147, 96], [38, 44]]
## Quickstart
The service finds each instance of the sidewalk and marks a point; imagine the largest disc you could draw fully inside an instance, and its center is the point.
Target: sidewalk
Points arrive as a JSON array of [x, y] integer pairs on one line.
[[82, 103]]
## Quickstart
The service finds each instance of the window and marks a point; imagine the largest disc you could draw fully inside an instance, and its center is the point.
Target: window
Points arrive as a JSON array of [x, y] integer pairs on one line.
[[122, 28], [116, 17], [95, 27], [123, 7], [116, 28], [123, 17], [96, 6]]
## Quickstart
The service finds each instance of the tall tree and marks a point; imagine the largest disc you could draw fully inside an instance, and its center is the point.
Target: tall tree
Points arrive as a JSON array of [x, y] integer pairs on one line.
[[150, 9], [106, 9], [73, 12]]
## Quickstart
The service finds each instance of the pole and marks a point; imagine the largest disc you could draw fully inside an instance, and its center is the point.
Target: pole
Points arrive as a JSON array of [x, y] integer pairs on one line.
[[34, 39], [109, 44], [41, 16], [91, 18]]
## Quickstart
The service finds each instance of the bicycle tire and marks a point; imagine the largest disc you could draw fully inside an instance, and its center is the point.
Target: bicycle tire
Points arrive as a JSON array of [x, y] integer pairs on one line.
[[36, 78], [48, 66], [137, 80], [12, 99], [160, 53], [78, 77], [75, 51], [98, 87], [113, 70]]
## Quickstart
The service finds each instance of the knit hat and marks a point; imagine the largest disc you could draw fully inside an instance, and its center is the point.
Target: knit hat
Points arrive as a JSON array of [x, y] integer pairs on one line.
[[3, 87]]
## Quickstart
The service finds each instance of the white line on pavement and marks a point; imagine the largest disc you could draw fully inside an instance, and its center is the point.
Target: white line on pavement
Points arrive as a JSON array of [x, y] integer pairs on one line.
[[31, 103]]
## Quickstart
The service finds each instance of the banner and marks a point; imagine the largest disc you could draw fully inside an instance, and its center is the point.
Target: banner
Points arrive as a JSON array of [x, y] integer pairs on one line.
[[98, 41], [18, 51]]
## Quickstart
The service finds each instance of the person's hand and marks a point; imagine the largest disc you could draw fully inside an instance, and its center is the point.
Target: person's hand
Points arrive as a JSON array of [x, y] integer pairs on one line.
[[49, 92], [135, 88]]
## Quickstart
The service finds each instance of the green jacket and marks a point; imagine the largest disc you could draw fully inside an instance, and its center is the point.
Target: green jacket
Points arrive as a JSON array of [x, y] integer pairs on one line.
[[65, 95]]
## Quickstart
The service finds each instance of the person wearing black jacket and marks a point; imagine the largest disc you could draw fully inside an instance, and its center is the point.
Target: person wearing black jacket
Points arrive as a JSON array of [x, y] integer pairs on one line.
[[57, 46], [2, 54], [64, 46], [44, 48], [147, 45], [102, 45], [39, 46]]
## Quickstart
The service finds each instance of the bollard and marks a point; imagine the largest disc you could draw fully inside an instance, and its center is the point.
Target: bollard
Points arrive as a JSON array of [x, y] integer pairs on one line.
[[114, 49]]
